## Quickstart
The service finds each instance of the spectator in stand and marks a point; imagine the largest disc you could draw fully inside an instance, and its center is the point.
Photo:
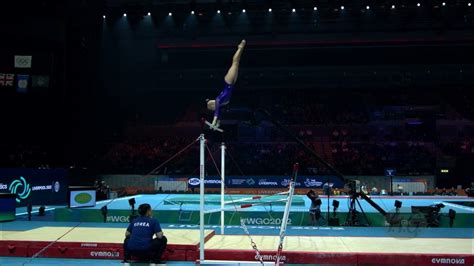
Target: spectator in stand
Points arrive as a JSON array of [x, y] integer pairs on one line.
[[327, 189], [444, 192], [363, 188], [102, 190], [436, 191], [452, 192], [400, 189], [470, 190], [374, 191]]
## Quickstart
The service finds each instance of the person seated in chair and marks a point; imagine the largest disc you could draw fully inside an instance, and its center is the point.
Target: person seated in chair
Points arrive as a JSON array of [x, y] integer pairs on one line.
[[139, 239]]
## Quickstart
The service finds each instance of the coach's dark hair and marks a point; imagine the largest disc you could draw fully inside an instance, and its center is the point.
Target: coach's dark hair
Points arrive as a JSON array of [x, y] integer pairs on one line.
[[143, 209]]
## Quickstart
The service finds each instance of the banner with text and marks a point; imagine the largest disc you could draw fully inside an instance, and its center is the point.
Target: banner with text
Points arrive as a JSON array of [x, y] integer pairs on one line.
[[267, 181], [35, 186]]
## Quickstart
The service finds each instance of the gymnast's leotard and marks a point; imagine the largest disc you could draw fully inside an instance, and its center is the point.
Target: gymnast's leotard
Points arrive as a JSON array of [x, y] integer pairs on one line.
[[223, 98]]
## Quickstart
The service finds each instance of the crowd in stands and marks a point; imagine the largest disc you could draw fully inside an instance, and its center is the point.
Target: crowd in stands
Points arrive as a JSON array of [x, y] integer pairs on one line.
[[243, 158], [142, 156], [445, 192], [372, 158], [351, 157], [464, 146], [348, 136], [272, 158], [297, 108], [26, 155]]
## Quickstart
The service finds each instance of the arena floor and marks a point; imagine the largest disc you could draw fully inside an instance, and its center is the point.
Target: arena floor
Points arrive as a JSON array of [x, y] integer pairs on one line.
[[89, 240], [51, 241], [184, 209], [300, 203]]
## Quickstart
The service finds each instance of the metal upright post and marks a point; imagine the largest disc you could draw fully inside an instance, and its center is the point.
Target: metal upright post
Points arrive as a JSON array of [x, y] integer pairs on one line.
[[222, 185], [202, 142], [286, 214], [329, 193]]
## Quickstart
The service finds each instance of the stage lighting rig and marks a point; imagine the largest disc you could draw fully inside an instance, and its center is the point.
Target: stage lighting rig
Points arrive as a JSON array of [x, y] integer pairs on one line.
[[42, 211], [398, 205], [132, 205]]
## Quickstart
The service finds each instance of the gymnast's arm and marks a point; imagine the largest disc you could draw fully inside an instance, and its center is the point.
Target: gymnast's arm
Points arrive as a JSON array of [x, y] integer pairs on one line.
[[217, 109]]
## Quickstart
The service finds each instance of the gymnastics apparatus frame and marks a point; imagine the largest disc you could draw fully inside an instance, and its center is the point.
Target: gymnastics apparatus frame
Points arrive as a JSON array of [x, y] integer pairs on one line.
[[223, 208]]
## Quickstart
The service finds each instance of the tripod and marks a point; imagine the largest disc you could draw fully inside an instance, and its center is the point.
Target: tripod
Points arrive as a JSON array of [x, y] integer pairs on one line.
[[351, 218]]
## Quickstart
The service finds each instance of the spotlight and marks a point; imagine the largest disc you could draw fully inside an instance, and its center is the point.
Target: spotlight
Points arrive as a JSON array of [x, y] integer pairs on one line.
[[243, 10], [315, 8], [269, 10], [170, 14], [218, 11], [149, 14], [103, 16], [367, 7], [418, 4], [41, 211], [293, 10], [468, 4], [398, 204], [124, 14], [342, 7], [444, 3], [132, 202], [192, 12], [393, 6]]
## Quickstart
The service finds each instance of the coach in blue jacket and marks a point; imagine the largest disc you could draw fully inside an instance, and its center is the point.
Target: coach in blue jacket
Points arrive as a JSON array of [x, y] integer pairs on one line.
[[139, 239]]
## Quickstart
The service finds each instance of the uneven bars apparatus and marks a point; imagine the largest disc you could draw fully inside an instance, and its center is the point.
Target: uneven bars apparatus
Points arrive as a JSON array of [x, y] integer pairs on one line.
[[222, 209], [222, 185], [202, 143], [286, 214]]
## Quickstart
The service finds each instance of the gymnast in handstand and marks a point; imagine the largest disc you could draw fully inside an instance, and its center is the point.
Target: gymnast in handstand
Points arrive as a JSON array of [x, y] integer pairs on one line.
[[230, 78]]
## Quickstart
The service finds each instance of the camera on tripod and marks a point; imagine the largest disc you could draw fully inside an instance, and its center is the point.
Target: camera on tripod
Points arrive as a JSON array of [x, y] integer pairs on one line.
[[353, 187]]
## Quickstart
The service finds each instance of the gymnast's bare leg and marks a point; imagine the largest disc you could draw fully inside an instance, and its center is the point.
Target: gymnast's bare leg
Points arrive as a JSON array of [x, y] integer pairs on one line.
[[233, 72], [230, 79]]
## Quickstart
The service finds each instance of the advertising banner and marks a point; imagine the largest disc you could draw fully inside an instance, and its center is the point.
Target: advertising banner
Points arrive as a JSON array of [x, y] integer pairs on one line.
[[266, 181], [82, 198], [35, 186]]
